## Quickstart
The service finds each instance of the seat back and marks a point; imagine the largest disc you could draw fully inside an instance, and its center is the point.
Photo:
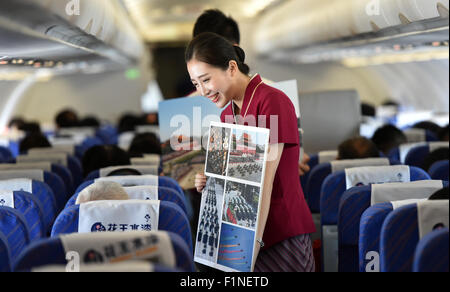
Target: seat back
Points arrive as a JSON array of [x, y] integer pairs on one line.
[[58, 169], [5, 154], [60, 155], [416, 156], [85, 145], [31, 209], [42, 194], [139, 180], [142, 169], [108, 134], [109, 248], [404, 227], [321, 171], [333, 188], [5, 254], [52, 180], [431, 253], [357, 199], [15, 228], [143, 192], [440, 170], [171, 218]]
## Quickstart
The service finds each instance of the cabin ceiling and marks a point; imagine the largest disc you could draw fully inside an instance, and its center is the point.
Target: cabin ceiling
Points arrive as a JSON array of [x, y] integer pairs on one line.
[[173, 20]]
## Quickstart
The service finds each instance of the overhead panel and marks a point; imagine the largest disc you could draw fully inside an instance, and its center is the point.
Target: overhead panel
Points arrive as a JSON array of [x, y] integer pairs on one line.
[[310, 31], [68, 36]]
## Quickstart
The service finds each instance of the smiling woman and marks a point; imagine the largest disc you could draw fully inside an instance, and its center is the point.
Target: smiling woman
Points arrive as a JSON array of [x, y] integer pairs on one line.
[[218, 71]]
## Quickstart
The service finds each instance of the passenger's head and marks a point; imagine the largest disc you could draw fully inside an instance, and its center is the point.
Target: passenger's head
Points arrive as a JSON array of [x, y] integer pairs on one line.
[[33, 140], [16, 122], [89, 121], [124, 172], [128, 122], [442, 194], [444, 133], [101, 191], [102, 156], [146, 143], [430, 126], [67, 119], [368, 110], [357, 148], [214, 66], [30, 127], [217, 22], [433, 157], [388, 137]]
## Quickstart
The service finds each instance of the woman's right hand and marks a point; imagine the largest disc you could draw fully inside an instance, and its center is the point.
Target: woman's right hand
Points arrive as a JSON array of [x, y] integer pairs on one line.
[[200, 182]]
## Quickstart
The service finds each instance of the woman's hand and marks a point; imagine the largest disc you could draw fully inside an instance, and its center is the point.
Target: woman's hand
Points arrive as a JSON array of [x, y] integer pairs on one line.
[[200, 182]]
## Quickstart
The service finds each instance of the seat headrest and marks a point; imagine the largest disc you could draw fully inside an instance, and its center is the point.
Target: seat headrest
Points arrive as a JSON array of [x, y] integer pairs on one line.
[[34, 174], [132, 180], [363, 176], [143, 169], [432, 215], [47, 166], [327, 156], [405, 148], [112, 247], [142, 192], [401, 191], [119, 216], [57, 158], [6, 198], [101, 191], [147, 160], [339, 165], [67, 149]]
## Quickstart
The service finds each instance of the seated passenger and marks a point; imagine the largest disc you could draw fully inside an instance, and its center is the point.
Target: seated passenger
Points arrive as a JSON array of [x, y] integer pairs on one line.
[[388, 137], [33, 140], [357, 148], [435, 156], [89, 121], [442, 194], [444, 134], [16, 123], [102, 190], [368, 110], [124, 171], [146, 143], [101, 156], [67, 119], [427, 125], [128, 122], [30, 127]]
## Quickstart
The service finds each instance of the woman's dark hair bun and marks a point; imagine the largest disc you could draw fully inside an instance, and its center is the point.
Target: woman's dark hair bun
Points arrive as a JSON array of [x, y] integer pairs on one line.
[[240, 53], [217, 51]]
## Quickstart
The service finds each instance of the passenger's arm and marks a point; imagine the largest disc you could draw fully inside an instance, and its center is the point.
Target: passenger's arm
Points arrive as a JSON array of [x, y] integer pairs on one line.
[[303, 166], [273, 161]]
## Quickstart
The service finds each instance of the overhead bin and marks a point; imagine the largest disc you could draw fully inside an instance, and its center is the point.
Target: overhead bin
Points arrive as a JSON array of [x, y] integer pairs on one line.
[[54, 30], [297, 25]]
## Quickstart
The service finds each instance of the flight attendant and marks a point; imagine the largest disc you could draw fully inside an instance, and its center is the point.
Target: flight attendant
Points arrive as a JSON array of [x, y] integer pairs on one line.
[[218, 71]]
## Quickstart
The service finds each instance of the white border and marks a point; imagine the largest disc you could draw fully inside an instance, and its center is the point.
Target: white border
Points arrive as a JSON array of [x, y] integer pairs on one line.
[[226, 178]]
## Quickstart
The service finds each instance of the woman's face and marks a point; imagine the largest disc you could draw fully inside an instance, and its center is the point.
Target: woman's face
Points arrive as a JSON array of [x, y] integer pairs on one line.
[[211, 82]]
